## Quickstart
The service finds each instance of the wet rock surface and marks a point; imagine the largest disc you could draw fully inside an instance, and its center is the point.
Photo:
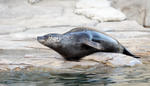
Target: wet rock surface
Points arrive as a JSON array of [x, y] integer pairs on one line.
[[19, 28], [50, 61]]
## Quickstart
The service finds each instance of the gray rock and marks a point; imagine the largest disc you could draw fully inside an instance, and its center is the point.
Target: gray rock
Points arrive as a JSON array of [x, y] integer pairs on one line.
[[133, 9], [33, 1], [147, 18], [44, 13], [120, 26], [99, 10], [113, 59], [4, 29], [48, 61]]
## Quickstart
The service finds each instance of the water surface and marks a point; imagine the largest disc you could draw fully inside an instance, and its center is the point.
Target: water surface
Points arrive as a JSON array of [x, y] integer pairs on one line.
[[124, 76]]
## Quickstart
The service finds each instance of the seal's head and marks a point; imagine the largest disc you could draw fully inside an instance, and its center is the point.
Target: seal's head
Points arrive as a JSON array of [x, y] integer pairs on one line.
[[50, 40]]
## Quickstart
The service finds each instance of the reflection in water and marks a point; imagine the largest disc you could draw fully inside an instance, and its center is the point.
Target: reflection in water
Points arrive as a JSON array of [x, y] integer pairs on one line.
[[40, 79], [117, 77], [82, 79]]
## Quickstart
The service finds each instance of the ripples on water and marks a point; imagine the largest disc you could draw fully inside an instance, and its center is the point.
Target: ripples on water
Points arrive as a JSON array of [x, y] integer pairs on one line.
[[126, 76]]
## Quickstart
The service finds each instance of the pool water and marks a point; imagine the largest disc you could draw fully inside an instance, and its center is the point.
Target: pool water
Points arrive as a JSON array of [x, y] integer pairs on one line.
[[123, 76]]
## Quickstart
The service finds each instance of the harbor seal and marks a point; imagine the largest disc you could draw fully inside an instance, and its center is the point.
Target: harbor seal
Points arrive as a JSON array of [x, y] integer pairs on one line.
[[82, 41]]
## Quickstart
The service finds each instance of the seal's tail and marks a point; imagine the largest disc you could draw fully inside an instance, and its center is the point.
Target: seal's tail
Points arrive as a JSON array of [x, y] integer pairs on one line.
[[125, 51]]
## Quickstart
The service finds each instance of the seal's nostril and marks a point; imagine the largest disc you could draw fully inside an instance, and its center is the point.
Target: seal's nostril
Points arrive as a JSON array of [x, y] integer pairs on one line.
[[38, 38], [41, 38]]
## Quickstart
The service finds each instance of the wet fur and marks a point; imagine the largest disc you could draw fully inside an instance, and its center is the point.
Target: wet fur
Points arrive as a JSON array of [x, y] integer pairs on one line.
[[74, 50]]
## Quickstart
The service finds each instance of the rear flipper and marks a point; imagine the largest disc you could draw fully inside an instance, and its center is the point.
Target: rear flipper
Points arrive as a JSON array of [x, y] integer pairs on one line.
[[125, 51]]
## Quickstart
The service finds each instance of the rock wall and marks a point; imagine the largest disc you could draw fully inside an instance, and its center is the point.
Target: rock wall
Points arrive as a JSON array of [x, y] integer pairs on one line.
[[138, 10], [147, 19], [99, 10]]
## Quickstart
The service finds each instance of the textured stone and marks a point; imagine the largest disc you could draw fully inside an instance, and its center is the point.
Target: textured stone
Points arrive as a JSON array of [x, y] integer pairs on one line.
[[113, 59], [138, 10], [43, 13], [46, 61], [120, 26], [98, 10], [147, 17], [33, 1], [4, 29]]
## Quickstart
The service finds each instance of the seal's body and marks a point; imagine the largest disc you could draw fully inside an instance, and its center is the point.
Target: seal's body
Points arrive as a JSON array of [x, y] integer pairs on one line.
[[82, 41]]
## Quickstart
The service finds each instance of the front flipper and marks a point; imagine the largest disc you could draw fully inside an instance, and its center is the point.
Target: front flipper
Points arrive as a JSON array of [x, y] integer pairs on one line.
[[93, 44]]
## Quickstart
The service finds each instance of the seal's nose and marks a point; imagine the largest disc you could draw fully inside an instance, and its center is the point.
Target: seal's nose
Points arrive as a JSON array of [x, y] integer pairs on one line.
[[41, 39]]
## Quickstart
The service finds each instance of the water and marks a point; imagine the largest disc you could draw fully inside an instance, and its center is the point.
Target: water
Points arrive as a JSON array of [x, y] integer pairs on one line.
[[124, 76]]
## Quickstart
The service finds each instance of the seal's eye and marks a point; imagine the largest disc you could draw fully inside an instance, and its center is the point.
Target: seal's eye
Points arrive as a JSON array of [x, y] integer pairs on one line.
[[46, 37], [53, 35]]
